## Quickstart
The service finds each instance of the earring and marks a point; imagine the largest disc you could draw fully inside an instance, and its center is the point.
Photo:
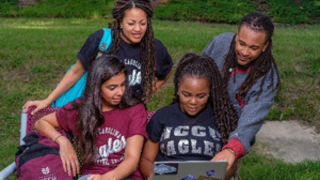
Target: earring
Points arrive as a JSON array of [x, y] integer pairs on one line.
[[178, 94]]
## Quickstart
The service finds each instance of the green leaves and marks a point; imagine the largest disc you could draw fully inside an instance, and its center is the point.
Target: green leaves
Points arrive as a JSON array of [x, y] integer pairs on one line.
[[292, 12], [205, 10]]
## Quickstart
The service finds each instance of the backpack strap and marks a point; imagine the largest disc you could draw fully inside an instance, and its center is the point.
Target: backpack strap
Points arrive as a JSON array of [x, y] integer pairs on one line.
[[105, 41], [77, 89]]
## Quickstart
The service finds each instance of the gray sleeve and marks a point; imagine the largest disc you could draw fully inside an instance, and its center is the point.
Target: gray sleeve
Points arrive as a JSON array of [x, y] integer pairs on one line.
[[218, 47], [254, 112], [208, 49]]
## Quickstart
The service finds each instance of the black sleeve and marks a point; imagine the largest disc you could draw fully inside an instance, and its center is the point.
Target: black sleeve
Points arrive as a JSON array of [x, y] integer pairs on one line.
[[163, 59], [89, 50], [154, 128]]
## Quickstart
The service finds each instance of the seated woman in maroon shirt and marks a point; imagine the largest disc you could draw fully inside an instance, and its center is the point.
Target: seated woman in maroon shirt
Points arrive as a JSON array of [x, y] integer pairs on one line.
[[108, 121]]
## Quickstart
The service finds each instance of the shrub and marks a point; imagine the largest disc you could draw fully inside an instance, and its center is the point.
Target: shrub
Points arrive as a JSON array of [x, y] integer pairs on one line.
[[60, 9], [288, 11], [284, 11], [205, 10], [12, 2]]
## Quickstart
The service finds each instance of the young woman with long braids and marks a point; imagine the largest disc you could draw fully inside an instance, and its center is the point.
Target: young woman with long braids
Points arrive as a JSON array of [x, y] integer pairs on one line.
[[108, 121], [147, 59], [198, 122], [249, 73]]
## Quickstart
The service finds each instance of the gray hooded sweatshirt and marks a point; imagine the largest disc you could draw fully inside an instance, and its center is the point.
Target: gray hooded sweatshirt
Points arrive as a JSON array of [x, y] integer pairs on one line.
[[251, 113]]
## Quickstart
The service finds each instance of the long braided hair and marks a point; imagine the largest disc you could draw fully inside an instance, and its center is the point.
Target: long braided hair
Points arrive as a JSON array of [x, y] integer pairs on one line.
[[147, 47], [262, 65], [192, 65], [90, 116]]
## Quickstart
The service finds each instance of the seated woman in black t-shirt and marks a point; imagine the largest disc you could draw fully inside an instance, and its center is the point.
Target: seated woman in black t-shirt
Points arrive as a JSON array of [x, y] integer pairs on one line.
[[197, 124]]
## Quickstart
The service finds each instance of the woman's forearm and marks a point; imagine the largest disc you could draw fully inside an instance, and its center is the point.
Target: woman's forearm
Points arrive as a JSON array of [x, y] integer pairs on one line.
[[47, 125], [69, 79], [149, 154], [125, 168], [146, 167], [47, 128], [131, 159]]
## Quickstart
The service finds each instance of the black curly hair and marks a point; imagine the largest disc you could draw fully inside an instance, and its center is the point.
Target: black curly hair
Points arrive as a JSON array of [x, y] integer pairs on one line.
[[147, 46], [262, 65], [192, 65]]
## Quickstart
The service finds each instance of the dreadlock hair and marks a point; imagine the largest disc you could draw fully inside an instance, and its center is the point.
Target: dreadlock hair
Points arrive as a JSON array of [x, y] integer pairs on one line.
[[262, 65], [147, 47], [90, 116], [192, 65]]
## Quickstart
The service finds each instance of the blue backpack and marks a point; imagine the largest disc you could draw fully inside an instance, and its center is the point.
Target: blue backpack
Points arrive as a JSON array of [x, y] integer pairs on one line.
[[78, 88]]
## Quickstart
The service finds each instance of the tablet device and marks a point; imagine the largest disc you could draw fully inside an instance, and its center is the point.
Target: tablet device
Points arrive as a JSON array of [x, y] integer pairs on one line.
[[189, 170]]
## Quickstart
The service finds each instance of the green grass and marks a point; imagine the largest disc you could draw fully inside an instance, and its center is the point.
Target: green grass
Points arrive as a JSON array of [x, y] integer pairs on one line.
[[35, 53], [256, 167], [295, 50]]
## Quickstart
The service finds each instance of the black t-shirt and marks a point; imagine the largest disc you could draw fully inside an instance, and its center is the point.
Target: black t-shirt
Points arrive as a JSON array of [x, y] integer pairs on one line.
[[130, 55], [183, 137]]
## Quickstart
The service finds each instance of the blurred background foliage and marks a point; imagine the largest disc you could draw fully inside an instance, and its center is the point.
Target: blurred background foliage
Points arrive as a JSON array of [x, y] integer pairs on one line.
[[220, 11]]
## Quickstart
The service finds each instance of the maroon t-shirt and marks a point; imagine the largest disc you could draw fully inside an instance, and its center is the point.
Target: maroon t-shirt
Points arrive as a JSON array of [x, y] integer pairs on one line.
[[120, 124]]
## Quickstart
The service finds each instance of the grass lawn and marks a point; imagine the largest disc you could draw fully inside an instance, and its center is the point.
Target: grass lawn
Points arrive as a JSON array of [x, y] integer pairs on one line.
[[35, 53]]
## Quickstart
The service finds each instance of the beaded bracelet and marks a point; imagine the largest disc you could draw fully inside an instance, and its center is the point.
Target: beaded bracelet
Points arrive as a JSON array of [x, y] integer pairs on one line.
[[232, 151], [53, 135], [57, 137]]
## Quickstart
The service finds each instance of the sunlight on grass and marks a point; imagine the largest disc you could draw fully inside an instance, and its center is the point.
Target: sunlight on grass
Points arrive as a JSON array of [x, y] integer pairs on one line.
[[41, 23], [31, 27], [45, 27]]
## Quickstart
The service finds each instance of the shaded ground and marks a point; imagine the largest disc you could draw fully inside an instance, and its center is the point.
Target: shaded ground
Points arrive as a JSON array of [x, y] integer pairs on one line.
[[288, 140]]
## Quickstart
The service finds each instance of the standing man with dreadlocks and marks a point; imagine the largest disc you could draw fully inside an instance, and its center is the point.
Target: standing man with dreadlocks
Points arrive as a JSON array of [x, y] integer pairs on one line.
[[250, 74]]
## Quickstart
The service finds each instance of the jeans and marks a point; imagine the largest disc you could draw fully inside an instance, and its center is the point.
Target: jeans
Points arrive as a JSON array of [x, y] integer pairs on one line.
[[86, 176]]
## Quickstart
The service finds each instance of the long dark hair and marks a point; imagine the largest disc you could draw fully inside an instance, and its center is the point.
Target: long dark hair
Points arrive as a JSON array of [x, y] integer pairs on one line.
[[262, 65], [147, 47], [192, 65], [90, 116]]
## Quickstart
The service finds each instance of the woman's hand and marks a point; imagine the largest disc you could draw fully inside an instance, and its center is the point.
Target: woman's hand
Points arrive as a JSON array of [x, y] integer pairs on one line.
[[68, 80], [68, 156], [95, 177], [107, 176], [39, 105]]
